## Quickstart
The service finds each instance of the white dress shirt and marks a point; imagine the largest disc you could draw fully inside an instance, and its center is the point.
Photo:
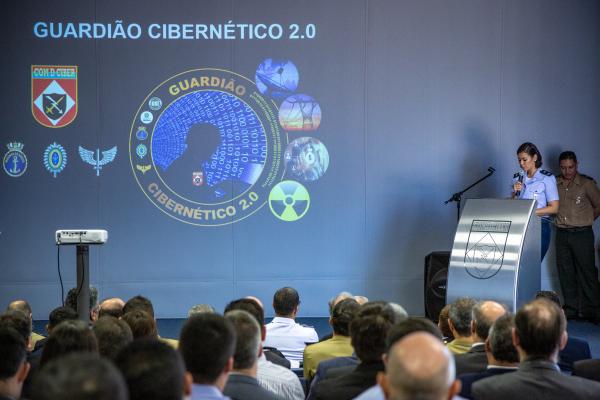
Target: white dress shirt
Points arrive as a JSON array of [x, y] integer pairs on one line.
[[289, 337]]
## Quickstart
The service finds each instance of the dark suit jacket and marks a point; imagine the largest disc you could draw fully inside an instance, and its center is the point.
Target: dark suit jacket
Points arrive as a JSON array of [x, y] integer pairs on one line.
[[323, 370], [242, 387], [349, 386], [475, 360], [589, 369], [535, 379], [575, 350], [467, 380]]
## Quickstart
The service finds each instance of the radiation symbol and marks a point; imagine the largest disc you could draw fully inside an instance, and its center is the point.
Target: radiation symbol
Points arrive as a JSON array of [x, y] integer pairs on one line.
[[289, 201]]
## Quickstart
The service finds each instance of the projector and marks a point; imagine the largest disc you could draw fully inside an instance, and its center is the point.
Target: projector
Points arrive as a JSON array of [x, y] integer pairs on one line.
[[81, 236]]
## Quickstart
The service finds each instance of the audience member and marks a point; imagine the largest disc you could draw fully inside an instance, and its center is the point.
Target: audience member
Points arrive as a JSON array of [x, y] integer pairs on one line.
[[141, 323], [71, 301], [361, 299], [201, 308], [24, 307], [144, 304], [502, 356], [332, 302], [112, 334], [459, 321], [368, 331], [58, 315], [18, 321], [419, 366], [283, 333], [539, 334], [271, 375], [399, 331], [112, 306], [483, 316], [79, 376], [242, 383], [69, 337], [443, 323], [13, 363], [153, 370], [339, 345], [207, 343], [576, 349]]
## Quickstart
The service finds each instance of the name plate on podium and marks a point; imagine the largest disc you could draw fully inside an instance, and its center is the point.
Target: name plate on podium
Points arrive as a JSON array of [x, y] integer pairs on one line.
[[496, 252]]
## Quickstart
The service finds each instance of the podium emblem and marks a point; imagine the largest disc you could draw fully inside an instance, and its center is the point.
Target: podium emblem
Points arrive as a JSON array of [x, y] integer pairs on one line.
[[485, 248]]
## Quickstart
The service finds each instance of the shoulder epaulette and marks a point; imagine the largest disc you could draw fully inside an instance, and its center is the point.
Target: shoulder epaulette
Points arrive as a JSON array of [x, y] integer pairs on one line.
[[544, 172], [588, 177]]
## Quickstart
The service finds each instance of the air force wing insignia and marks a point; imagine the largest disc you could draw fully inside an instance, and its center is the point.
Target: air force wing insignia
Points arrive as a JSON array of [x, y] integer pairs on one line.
[[143, 168], [107, 157]]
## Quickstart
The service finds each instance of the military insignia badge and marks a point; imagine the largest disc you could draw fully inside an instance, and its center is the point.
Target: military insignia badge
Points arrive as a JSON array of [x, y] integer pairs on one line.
[[54, 94], [95, 160], [15, 161], [197, 178], [55, 158], [143, 168]]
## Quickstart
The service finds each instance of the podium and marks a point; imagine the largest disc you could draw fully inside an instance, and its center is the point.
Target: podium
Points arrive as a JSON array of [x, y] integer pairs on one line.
[[496, 253]]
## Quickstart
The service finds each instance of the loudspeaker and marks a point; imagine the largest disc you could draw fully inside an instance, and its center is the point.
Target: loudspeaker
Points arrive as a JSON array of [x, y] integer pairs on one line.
[[436, 277]]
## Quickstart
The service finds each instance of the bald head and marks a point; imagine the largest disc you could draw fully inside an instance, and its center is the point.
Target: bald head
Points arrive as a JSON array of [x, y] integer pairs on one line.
[[20, 305], [485, 313], [257, 300], [113, 306], [419, 366]]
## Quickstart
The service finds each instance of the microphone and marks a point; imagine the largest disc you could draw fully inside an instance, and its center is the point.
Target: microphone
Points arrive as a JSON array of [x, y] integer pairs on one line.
[[518, 192]]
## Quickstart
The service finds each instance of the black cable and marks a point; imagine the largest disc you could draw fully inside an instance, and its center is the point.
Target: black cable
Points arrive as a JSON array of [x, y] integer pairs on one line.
[[62, 288], [80, 285]]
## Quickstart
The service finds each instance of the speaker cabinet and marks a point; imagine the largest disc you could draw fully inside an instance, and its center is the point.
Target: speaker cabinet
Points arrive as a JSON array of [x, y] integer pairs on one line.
[[436, 277]]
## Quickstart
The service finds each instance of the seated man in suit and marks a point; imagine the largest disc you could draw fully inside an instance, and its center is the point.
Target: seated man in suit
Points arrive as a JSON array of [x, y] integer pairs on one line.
[[283, 333], [576, 349], [419, 366], [483, 316], [270, 374], [24, 307], [502, 357], [142, 303], [152, 370], [368, 331], [339, 345], [207, 344], [242, 383], [459, 321], [14, 366], [539, 334]]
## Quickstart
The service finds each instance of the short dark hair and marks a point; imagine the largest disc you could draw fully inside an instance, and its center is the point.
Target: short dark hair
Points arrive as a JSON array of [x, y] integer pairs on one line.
[[13, 351], [60, 314], [369, 330], [342, 315], [411, 325], [69, 336], [443, 321], [112, 334], [139, 302], [500, 339], [567, 155], [247, 338], [79, 376], [460, 315], [71, 299], [18, 321], [250, 306], [539, 326], [152, 370], [207, 342], [20, 305], [550, 295], [285, 301], [531, 150], [141, 324]]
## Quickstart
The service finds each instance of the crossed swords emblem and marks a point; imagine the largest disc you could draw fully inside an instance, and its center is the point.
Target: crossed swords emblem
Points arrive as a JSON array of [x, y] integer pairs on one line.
[[54, 106]]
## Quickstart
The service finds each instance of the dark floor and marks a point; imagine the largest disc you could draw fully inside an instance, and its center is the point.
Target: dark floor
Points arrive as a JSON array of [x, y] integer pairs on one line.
[[169, 328]]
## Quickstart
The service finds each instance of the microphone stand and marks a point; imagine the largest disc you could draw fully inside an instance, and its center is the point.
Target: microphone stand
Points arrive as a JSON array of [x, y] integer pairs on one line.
[[457, 197]]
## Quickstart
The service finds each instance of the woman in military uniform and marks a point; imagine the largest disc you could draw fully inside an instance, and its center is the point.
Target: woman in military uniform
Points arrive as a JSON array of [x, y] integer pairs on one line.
[[538, 184]]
